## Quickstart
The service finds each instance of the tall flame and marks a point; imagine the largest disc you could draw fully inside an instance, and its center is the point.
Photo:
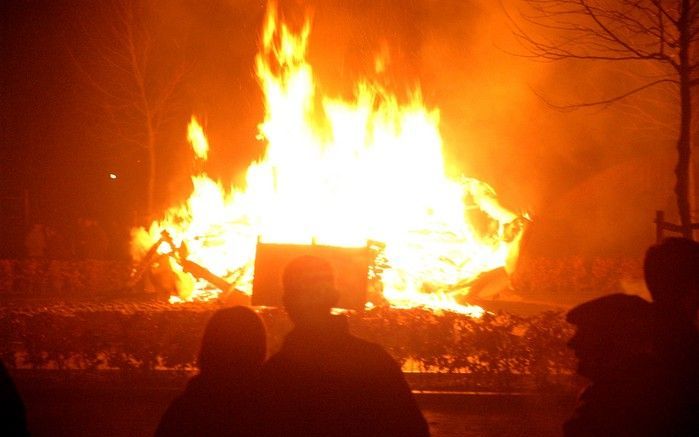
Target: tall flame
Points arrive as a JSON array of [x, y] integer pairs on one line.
[[342, 173]]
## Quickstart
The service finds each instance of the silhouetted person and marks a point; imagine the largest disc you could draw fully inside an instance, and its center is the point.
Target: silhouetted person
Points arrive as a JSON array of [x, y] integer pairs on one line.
[[220, 400], [671, 272], [13, 421], [326, 382], [614, 347], [35, 241], [90, 240], [57, 246]]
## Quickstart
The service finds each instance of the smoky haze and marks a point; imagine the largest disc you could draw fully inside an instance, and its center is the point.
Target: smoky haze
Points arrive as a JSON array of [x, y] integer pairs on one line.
[[591, 179]]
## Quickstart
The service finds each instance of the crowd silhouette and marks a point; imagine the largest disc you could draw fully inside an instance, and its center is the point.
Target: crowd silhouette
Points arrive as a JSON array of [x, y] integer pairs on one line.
[[83, 239], [641, 359], [323, 382]]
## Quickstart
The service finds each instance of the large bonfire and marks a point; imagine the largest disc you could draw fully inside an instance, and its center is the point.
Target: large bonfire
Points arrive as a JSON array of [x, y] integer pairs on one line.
[[340, 173]]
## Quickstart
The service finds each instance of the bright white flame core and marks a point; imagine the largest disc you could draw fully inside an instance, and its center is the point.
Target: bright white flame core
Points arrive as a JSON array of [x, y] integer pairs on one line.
[[341, 173]]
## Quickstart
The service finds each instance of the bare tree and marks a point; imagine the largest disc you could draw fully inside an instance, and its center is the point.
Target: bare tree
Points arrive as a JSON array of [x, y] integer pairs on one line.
[[136, 77], [664, 33]]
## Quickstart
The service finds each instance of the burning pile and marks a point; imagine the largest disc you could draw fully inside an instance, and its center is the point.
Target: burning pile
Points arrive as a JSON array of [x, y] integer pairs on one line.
[[342, 173]]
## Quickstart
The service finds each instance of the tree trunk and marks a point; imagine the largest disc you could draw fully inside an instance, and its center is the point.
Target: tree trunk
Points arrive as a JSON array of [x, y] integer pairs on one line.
[[684, 141], [150, 187]]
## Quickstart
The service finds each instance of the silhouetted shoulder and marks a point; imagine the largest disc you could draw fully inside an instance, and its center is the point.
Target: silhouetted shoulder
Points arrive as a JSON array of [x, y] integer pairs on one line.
[[326, 382], [330, 383], [12, 413], [222, 399], [633, 405], [207, 408], [671, 271]]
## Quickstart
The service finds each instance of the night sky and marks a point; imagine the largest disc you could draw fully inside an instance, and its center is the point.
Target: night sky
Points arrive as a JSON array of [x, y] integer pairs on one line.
[[54, 142], [577, 172]]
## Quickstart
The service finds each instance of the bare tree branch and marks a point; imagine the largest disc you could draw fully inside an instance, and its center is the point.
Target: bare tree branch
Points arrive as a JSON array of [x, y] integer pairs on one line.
[[655, 32], [137, 90], [603, 102]]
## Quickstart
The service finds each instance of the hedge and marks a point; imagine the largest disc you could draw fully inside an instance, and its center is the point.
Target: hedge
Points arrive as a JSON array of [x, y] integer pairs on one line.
[[90, 330], [151, 336]]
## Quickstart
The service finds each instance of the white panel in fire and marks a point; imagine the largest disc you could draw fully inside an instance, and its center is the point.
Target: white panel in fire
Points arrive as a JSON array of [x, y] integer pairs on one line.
[[350, 265]]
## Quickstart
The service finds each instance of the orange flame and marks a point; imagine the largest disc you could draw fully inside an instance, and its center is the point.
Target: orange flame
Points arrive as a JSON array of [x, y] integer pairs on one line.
[[196, 137], [342, 173]]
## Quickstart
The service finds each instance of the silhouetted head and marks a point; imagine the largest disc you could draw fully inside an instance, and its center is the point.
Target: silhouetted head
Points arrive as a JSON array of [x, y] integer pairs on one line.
[[234, 342], [671, 270], [309, 290], [612, 333]]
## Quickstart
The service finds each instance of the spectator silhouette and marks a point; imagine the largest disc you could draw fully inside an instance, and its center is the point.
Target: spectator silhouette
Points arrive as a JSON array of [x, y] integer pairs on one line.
[[326, 382], [614, 347], [13, 422], [671, 271], [90, 240], [220, 400], [57, 246], [35, 241]]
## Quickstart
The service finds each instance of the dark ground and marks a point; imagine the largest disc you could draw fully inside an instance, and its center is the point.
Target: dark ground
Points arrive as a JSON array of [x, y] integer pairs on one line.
[[111, 410]]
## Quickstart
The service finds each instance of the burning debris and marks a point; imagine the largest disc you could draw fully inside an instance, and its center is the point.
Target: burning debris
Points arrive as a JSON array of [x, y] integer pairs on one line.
[[354, 174]]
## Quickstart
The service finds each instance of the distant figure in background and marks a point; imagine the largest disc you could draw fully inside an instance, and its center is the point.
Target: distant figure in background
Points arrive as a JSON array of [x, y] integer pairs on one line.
[[613, 343], [13, 422], [35, 241], [671, 271], [326, 382], [90, 240], [57, 246], [220, 400]]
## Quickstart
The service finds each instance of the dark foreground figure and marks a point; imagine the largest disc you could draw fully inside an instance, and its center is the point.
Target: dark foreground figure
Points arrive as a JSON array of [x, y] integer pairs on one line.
[[13, 421], [326, 382], [671, 272], [642, 359], [613, 344], [220, 400]]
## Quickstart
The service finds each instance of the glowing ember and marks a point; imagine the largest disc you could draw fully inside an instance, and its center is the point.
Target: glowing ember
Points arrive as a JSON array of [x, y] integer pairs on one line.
[[341, 173]]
